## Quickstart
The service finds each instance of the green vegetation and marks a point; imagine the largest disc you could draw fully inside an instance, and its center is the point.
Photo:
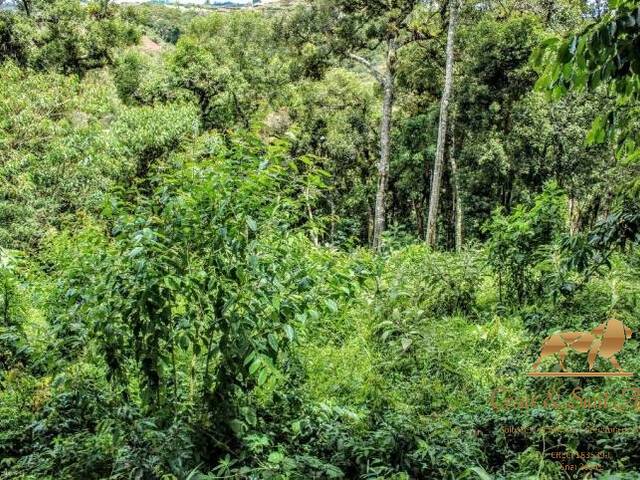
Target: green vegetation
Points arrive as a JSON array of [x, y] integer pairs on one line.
[[216, 259]]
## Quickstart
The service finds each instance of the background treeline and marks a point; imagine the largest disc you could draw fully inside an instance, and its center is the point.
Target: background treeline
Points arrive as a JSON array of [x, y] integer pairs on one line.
[[217, 257]]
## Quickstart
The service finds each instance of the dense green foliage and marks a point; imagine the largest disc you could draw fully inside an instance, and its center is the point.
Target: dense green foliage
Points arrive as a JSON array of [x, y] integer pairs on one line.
[[186, 205]]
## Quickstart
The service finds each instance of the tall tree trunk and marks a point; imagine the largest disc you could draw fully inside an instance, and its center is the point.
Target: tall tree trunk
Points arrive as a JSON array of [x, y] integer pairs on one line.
[[383, 164], [312, 229], [574, 216], [426, 181], [369, 230], [455, 186], [26, 6], [386, 79], [418, 208], [442, 126]]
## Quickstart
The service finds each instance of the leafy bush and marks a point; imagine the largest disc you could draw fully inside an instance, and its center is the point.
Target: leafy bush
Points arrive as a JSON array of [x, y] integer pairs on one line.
[[521, 240], [64, 36], [440, 283]]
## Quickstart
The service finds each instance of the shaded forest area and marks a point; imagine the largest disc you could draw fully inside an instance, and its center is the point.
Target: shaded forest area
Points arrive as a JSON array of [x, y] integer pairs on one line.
[[314, 242]]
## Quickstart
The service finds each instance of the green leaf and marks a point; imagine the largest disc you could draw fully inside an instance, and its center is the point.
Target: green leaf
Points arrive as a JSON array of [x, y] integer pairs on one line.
[[237, 427], [564, 53], [249, 415], [296, 427], [262, 376], [275, 457], [257, 363], [249, 358], [290, 332], [136, 251], [597, 134], [481, 472], [273, 342], [331, 305]]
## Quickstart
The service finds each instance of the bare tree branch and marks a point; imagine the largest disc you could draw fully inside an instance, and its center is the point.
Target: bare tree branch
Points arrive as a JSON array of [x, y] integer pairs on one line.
[[374, 71]]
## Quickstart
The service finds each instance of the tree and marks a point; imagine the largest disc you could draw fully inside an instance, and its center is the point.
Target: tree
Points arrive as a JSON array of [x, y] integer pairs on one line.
[[230, 64], [442, 126], [64, 35], [603, 57], [26, 6], [503, 152], [335, 120], [372, 34], [455, 186]]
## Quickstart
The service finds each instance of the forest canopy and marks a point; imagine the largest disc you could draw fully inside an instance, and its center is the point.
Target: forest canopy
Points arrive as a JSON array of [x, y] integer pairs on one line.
[[321, 239]]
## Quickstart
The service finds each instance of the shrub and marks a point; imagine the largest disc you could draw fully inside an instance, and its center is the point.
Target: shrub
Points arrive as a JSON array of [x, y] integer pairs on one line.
[[521, 240]]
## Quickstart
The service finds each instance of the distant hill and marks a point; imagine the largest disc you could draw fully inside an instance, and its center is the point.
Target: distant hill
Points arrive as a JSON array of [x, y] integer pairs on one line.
[[212, 3], [223, 4]]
